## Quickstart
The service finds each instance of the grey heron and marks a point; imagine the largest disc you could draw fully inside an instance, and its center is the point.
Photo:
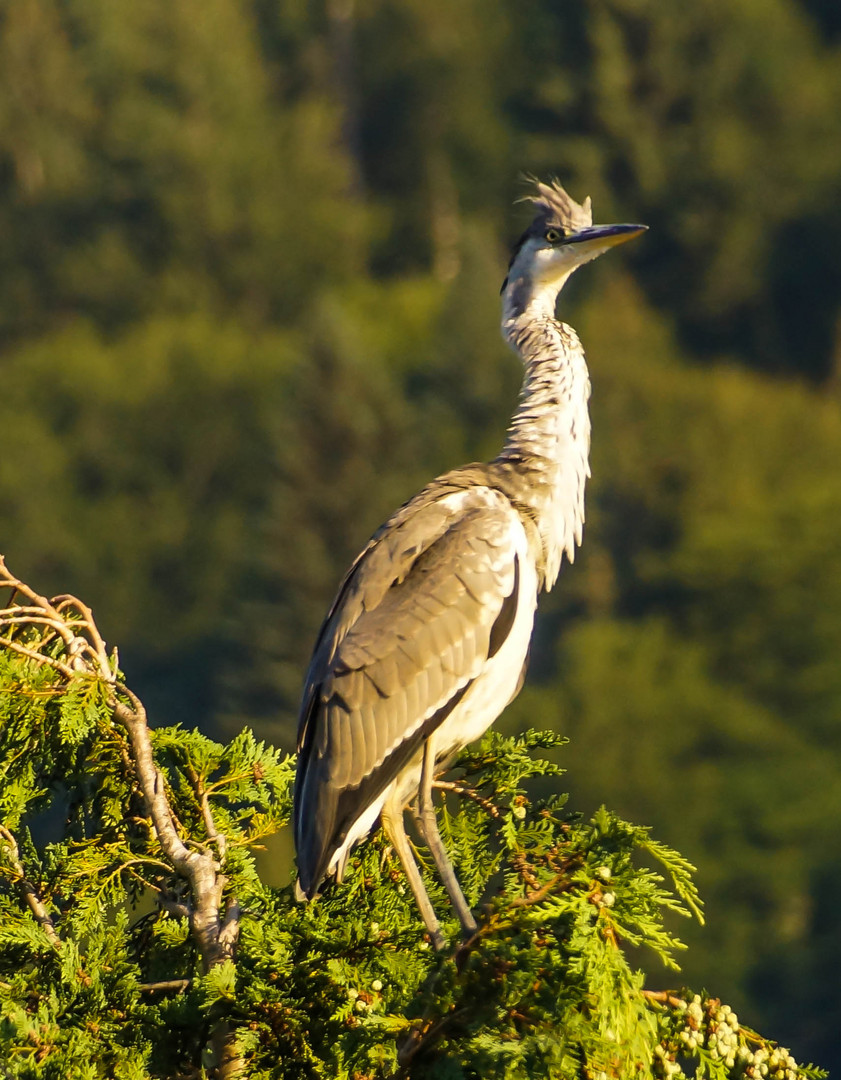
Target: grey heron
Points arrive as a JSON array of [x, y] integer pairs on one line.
[[428, 638]]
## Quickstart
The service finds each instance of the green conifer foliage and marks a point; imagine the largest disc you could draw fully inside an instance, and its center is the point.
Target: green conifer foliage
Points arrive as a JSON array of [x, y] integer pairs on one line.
[[138, 939]]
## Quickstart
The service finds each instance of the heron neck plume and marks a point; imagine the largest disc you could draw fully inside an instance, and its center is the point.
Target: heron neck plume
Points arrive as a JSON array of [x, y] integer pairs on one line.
[[548, 441]]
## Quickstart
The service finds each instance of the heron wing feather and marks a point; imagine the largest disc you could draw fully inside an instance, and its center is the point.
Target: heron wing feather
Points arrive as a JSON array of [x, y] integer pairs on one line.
[[410, 631]]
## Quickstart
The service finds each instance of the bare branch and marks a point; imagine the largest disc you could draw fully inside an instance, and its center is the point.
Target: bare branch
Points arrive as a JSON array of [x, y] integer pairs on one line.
[[534, 897], [213, 834], [468, 793], [525, 872], [216, 941], [422, 1038], [665, 997], [8, 580], [29, 616], [197, 867], [30, 894], [85, 652], [100, 649], [166, 986], [174, 907], [47, 661], [229, 932], [58, 615]]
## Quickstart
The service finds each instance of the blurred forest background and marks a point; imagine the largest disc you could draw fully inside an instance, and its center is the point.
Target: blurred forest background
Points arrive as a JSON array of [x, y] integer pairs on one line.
[[250, 253]]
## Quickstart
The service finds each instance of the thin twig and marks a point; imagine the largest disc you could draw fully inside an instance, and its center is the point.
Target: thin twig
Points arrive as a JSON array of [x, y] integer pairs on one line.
[[417, 1040], [10, 581], [32, 616], [527, 875], [48, 661], [165, 986], [89, 624], [213, 834], [30, 894], [537, 895], [468, 793], [664, 997], [229, 929]]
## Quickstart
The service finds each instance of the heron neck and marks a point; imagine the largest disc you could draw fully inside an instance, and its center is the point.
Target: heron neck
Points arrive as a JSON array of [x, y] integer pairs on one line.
[[548, 441]]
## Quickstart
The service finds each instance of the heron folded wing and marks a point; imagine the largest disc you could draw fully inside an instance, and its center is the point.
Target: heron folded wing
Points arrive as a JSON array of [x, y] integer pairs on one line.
[[386, 673]]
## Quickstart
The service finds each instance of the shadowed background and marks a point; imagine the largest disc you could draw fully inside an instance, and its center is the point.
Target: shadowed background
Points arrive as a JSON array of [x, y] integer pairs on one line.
[[249, 269]]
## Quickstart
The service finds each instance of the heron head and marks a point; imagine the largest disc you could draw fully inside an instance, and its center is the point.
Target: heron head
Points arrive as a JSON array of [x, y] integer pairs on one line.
[[561, 238]]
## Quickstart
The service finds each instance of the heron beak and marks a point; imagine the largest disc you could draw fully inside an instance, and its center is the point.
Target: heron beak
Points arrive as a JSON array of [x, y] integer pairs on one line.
[[599, 238]]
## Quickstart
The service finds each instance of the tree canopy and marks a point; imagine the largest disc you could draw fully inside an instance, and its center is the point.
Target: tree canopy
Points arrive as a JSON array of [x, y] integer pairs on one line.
[[139, 940]]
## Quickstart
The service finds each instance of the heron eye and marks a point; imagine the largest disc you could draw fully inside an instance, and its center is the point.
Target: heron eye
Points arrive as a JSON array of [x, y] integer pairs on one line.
[[554, 236]]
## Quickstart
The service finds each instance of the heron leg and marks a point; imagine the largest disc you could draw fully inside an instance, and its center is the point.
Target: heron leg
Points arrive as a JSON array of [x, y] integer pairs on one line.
[[392, 819], [428, 824]]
